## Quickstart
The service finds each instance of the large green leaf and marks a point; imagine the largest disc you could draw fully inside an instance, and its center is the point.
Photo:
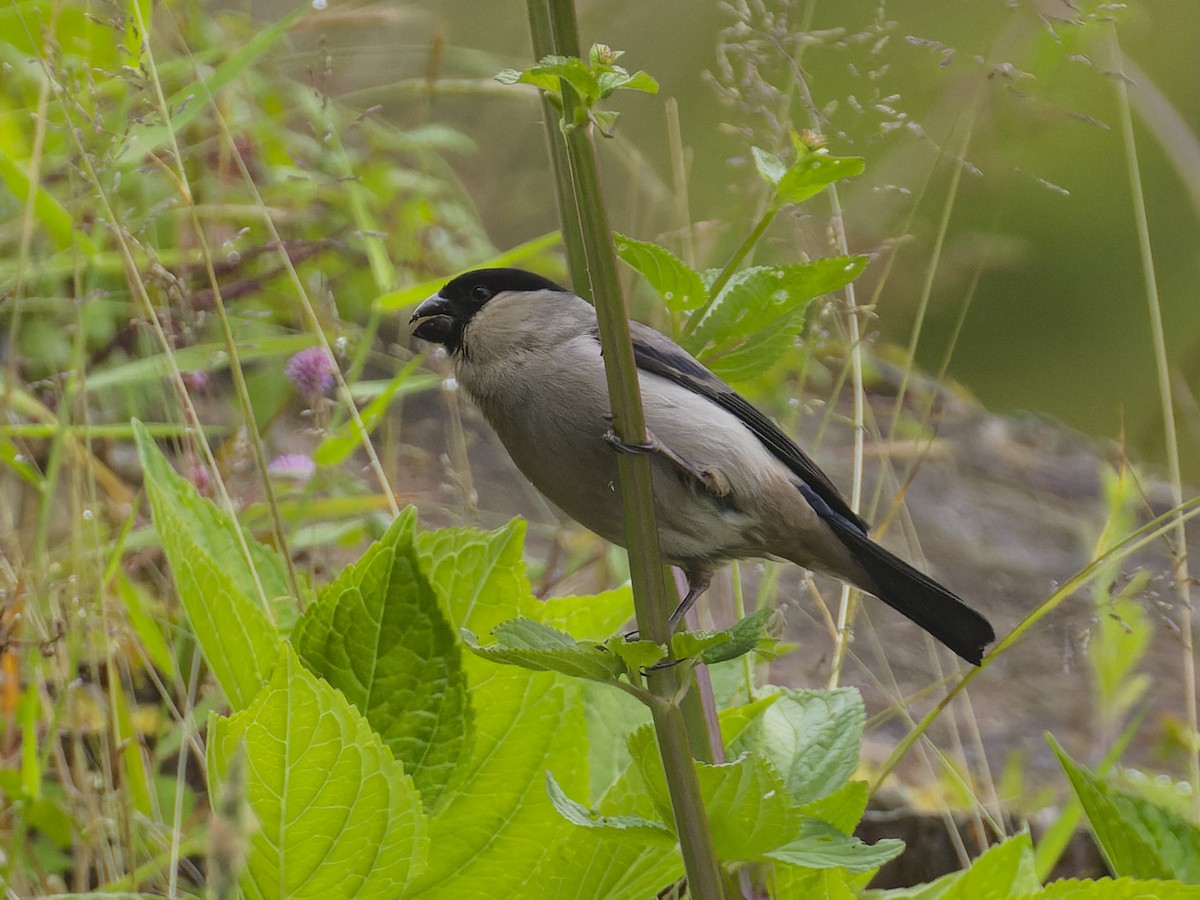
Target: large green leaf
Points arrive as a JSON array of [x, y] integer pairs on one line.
[[1114, 889], [498, 828], [336, 815], [497, 833], [769, 297], [811, 737], [1139, 838], [378, 635], [224, 593]]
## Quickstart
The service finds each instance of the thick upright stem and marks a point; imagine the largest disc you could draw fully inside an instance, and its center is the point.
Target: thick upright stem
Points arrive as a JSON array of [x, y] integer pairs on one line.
[[595, 274]]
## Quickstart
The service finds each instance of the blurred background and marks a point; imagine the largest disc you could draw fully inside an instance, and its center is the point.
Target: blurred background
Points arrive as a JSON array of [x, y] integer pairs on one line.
[[996, 169]]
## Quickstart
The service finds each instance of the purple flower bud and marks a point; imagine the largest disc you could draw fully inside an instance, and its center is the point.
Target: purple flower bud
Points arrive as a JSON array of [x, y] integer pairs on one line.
[[311, 371]]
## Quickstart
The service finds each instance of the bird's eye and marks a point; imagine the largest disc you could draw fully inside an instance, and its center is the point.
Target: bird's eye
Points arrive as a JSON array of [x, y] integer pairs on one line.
[[480, 293]]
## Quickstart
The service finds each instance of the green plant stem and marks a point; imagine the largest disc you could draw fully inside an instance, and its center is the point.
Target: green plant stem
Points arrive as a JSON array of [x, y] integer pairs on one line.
[[731, 267], [546, 43], [553, 25]]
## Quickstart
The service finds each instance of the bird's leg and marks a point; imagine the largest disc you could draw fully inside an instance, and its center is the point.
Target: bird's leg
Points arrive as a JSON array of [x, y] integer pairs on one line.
[[710, 479], [698, 581]]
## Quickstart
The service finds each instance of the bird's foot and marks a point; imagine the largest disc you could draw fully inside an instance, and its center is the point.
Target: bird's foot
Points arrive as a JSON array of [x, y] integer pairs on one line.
[[713, 480]]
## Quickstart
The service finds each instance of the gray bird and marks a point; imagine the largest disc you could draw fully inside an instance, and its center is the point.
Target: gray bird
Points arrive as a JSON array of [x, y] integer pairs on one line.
[[728, 483]]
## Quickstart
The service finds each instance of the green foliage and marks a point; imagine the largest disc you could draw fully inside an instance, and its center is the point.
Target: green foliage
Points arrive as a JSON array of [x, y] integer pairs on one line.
[[229, 583], [335, 811], [741, 321], [592, 81], [1139, 838], [377, 635]]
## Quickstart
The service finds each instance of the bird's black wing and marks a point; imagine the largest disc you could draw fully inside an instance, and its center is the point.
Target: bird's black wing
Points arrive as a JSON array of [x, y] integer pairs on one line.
[[660, 355]]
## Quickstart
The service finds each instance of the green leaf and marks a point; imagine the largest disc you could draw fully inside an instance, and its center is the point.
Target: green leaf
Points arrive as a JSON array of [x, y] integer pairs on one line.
[[820, 846], [336, 814], [223, 594], [497, 835], [758, 631], [478, 576], [1137, 837], [843, 809], [623, 827], [378, 635], [811, 737], [791, 883], [636, 655], [749, 810], [617, 79], [770, 297], [769, 166], [1114, 889], [550, 69], [756, 354], [533, 645], [680, 288], [1003, 871], [611, 715], [812, 173]]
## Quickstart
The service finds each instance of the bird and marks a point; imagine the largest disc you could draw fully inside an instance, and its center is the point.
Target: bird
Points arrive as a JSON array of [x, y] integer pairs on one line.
[[728, 483]]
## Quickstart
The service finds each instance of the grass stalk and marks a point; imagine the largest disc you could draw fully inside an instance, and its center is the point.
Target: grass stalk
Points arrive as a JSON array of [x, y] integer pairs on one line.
[[1179, 551]]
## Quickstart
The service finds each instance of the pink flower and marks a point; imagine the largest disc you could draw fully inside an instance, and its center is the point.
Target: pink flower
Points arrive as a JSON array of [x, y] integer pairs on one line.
[[311, 371], [292, 466]]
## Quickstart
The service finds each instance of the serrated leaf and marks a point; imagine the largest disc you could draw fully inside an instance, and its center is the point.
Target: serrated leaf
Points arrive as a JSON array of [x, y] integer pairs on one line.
[[533, 645], [636, 655], [336, 814], [620, 826], [813, 173], [763, 297], [757, 353], [378, 635], [1137, 837], [1114, 889], [791, 883], [811, 737], [222, 593], [1003, 871], [680, 288], [689, 644], [749, 810], [820, 846], [758, 632], [611, 715], [550, 69], [497, 834], [478, 576], [843, 809]]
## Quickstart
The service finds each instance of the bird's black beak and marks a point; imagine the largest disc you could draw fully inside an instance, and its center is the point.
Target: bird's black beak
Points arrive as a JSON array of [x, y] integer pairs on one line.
[[435, 320]]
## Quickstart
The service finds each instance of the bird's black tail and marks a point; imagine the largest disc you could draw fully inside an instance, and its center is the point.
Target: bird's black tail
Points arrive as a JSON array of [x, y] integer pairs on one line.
[[910, 592]]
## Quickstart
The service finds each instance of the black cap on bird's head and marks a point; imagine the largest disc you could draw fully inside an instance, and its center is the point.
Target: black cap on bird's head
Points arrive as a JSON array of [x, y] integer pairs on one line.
[[441, 318]]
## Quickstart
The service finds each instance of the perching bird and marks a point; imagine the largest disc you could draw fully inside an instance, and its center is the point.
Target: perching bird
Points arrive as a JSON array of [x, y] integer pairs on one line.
[[728, 483]]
